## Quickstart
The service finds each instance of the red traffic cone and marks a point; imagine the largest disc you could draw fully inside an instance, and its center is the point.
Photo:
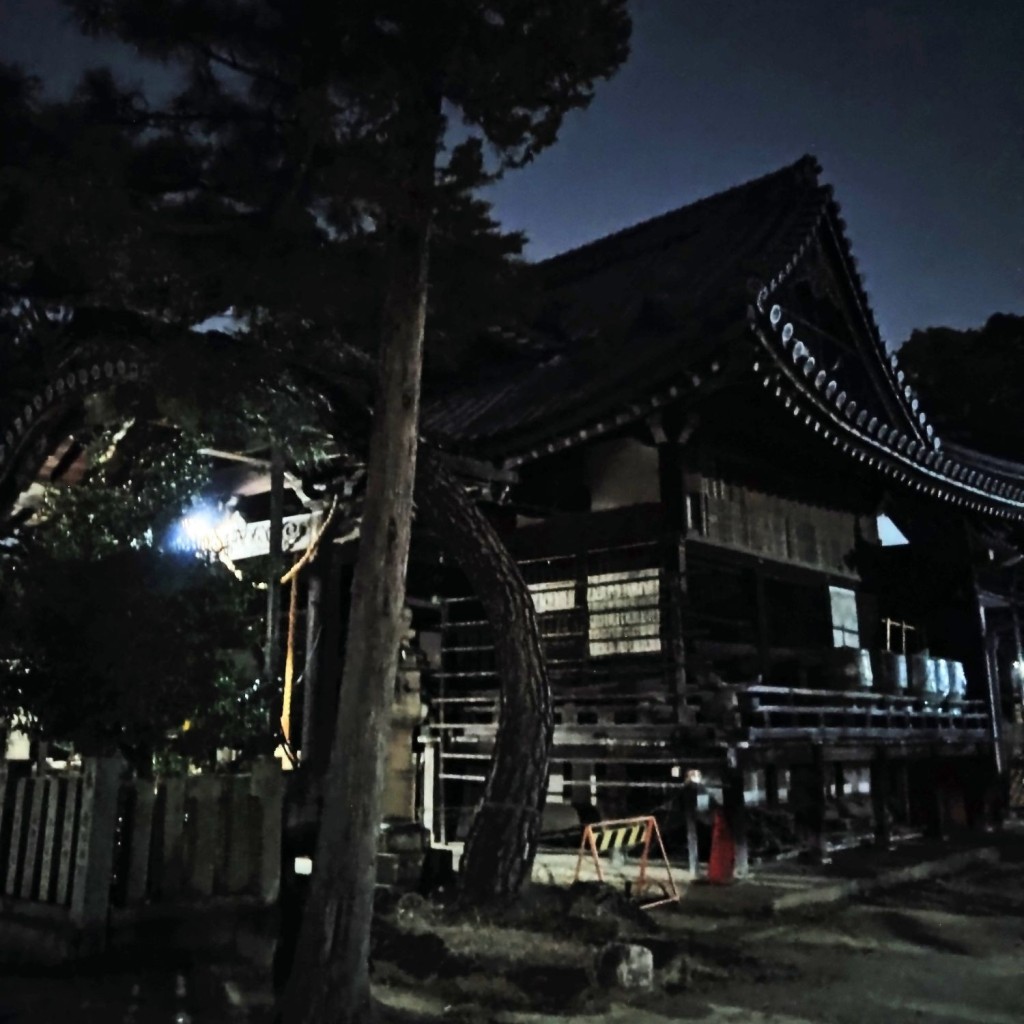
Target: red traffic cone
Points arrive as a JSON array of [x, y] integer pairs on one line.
[[723, 852]]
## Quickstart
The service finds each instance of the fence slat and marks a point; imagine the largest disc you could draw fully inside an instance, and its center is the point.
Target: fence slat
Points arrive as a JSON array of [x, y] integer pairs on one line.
[[68, 837], [35, 826], [141, 841], [14, 856], [53, 794]]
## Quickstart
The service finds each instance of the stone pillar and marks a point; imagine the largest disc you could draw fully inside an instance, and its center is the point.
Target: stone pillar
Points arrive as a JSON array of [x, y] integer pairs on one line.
[[267, 786], [94, 857]]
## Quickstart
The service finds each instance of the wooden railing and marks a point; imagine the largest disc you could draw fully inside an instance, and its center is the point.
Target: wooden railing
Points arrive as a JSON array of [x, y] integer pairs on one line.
[[772, 713]]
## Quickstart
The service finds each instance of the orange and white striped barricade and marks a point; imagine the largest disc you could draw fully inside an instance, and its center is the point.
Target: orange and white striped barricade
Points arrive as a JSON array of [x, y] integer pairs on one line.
[[620, 833]]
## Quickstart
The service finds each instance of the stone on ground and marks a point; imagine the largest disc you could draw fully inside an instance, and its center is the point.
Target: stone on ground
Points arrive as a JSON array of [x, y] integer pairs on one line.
[[625, 965]]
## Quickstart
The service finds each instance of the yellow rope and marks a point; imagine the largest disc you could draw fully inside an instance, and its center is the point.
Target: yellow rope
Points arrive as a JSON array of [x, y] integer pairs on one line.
[[310, 553], [289, 663]]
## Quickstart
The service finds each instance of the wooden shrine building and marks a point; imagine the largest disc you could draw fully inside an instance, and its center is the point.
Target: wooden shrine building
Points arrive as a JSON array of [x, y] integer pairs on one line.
[[689, 460]]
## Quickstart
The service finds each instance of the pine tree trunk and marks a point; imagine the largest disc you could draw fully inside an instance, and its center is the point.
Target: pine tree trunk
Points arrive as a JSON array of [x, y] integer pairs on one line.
[[499, 852], [329, 983]]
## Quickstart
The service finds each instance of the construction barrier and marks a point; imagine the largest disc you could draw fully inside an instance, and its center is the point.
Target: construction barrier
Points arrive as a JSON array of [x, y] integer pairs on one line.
[[624, 833]]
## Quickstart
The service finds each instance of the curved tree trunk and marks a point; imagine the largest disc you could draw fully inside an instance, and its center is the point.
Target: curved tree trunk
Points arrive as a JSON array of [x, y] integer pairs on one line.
[[329, 981], [499, 852]]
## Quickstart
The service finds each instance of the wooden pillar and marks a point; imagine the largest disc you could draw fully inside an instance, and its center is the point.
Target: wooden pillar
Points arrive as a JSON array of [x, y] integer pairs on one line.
[[675, 587], [989, 680], [880, 799], [690, 816], [735, 810], [312, 697], [839, 780], [673, 498], [817, 782], [324, 633], [981, 795], [771, 785], [931, 791], [272, 648], [761, 603], [901, 791]]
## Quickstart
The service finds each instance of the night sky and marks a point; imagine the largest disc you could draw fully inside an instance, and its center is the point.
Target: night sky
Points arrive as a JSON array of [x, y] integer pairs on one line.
[[914, 108]]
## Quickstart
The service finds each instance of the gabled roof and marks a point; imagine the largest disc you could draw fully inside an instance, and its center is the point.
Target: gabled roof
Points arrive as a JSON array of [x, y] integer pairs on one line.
[[640, 318], [629, 316]]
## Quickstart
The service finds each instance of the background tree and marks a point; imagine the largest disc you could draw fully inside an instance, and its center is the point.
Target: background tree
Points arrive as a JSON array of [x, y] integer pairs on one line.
[[972, 382]]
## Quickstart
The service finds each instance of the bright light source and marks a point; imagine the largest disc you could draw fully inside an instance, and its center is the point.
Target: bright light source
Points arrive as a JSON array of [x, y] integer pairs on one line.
[[303, 865], [197, 530]]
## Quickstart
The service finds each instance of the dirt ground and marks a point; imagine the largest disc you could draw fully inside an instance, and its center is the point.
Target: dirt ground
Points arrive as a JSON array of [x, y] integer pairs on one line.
[[948, 950], [945, 951]]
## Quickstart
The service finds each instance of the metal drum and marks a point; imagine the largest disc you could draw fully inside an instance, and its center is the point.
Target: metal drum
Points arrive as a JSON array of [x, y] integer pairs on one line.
[[891, 672], [957, 681], [921, 674]]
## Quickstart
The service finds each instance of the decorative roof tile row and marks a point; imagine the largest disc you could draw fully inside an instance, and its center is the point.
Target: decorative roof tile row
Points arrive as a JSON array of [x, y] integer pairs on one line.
[[821, 401]]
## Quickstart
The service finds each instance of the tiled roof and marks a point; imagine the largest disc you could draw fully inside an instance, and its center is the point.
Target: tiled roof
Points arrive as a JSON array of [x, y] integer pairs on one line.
[[638, 318], [628, 315]]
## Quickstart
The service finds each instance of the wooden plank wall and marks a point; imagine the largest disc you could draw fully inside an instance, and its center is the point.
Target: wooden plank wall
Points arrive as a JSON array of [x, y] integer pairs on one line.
[[776, 527]]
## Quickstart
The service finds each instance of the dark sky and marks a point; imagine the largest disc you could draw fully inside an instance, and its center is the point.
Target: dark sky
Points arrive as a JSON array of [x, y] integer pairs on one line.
[[915, 108]]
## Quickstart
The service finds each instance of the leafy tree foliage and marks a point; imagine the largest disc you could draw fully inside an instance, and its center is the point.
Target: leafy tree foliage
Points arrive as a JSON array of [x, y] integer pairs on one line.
[[972, 382], [109, 638]]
